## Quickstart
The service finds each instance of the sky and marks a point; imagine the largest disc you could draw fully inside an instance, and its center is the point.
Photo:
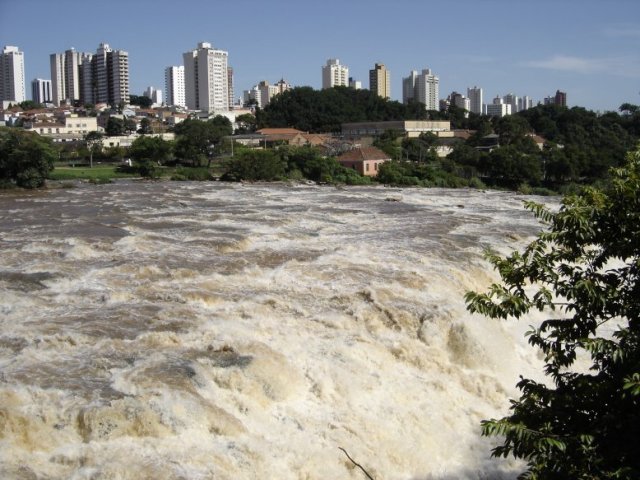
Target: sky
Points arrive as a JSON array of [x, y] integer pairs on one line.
[[587, 48]]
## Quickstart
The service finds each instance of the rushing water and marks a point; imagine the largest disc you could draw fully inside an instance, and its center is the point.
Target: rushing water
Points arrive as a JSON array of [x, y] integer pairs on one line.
[[204, 330]]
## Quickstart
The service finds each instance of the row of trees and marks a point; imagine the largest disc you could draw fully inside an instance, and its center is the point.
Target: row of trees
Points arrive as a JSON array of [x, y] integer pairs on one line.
[[317, 111]]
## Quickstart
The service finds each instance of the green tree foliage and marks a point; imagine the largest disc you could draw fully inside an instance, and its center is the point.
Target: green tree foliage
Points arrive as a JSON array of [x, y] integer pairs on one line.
[[583, 423], [594, 143], [246, 123], [509, 166], [140, 100], [312, 110], [26, 158], [145, 126], [150, 148], [93, 142], [307, 162], [255, 165], [30, 105], [115, 127], [196, 140]]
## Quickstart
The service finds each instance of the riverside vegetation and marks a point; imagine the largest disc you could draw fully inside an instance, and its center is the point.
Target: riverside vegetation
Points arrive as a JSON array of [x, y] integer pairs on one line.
[[581, 146], [584, 422]]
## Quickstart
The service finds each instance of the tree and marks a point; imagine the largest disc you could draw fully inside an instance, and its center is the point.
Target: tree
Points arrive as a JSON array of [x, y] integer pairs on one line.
[[140, 100], [145, 126], [150, 148], [246, 123], [115, 127], [26, 158], [586, 267], [255, 165], [30, 105], [197, 139], [93, 141]]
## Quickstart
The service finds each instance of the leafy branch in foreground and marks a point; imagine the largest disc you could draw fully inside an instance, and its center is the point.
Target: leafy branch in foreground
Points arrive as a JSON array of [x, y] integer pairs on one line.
[[585, 266]]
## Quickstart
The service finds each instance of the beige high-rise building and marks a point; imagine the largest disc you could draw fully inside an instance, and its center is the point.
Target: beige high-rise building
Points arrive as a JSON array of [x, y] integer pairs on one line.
[[206, 79], [334, 74], [380, 81]]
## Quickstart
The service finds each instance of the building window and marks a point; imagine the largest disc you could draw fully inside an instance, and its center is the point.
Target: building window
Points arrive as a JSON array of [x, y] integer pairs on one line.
[[366, 167]]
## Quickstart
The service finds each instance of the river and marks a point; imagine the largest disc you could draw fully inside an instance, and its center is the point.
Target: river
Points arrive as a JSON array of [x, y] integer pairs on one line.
[[208, 330]]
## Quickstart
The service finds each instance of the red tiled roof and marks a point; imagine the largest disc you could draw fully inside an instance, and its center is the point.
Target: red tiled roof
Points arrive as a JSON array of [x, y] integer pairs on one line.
[[364, 153], [278, 131]]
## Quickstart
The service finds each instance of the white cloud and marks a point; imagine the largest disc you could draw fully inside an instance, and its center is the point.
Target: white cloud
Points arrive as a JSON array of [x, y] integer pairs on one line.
[[618, 66]]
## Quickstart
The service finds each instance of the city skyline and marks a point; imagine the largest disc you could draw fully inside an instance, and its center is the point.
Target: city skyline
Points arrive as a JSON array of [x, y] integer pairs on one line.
[[587, 49]]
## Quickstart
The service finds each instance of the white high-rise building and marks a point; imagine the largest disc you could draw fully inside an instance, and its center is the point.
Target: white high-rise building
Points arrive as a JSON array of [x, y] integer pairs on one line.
[[206, 79], [174, 86], [355, 84], [460, 101], [263, 92], [427, 89], [41, 91], [155, 94], [498, 108], [525, 103], [513, 100], [334, 74], [66, 69], [422, 87], [475, 100], [409, 87], [254, 96], [12, 75]]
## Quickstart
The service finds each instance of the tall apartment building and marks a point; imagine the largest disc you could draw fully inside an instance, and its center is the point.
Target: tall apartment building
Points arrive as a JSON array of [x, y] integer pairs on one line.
[[380, 81], [230, 86], [155, 94], [263, 92], [206, 79], [460, 101], [334, 74], [475, 100], [111, 75], [422, 87], [561, 98], [409, 87], [174, 86], [355, 84], [41, 91], [513, 100], [86, 78], [498, 108], [67, 76], [12, 75], [524, 103]]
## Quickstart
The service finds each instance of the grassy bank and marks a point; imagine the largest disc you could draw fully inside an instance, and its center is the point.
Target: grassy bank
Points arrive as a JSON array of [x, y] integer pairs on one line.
[[101, 173]]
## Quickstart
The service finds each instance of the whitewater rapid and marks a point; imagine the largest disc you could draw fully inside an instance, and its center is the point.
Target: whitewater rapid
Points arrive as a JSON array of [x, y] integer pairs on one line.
[[207, 330]]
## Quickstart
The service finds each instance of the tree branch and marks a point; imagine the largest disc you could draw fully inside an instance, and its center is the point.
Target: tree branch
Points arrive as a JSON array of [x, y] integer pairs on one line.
[[357, 464]]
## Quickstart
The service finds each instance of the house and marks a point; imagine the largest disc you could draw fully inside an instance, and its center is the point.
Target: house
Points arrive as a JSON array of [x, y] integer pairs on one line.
[[365, 160]]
